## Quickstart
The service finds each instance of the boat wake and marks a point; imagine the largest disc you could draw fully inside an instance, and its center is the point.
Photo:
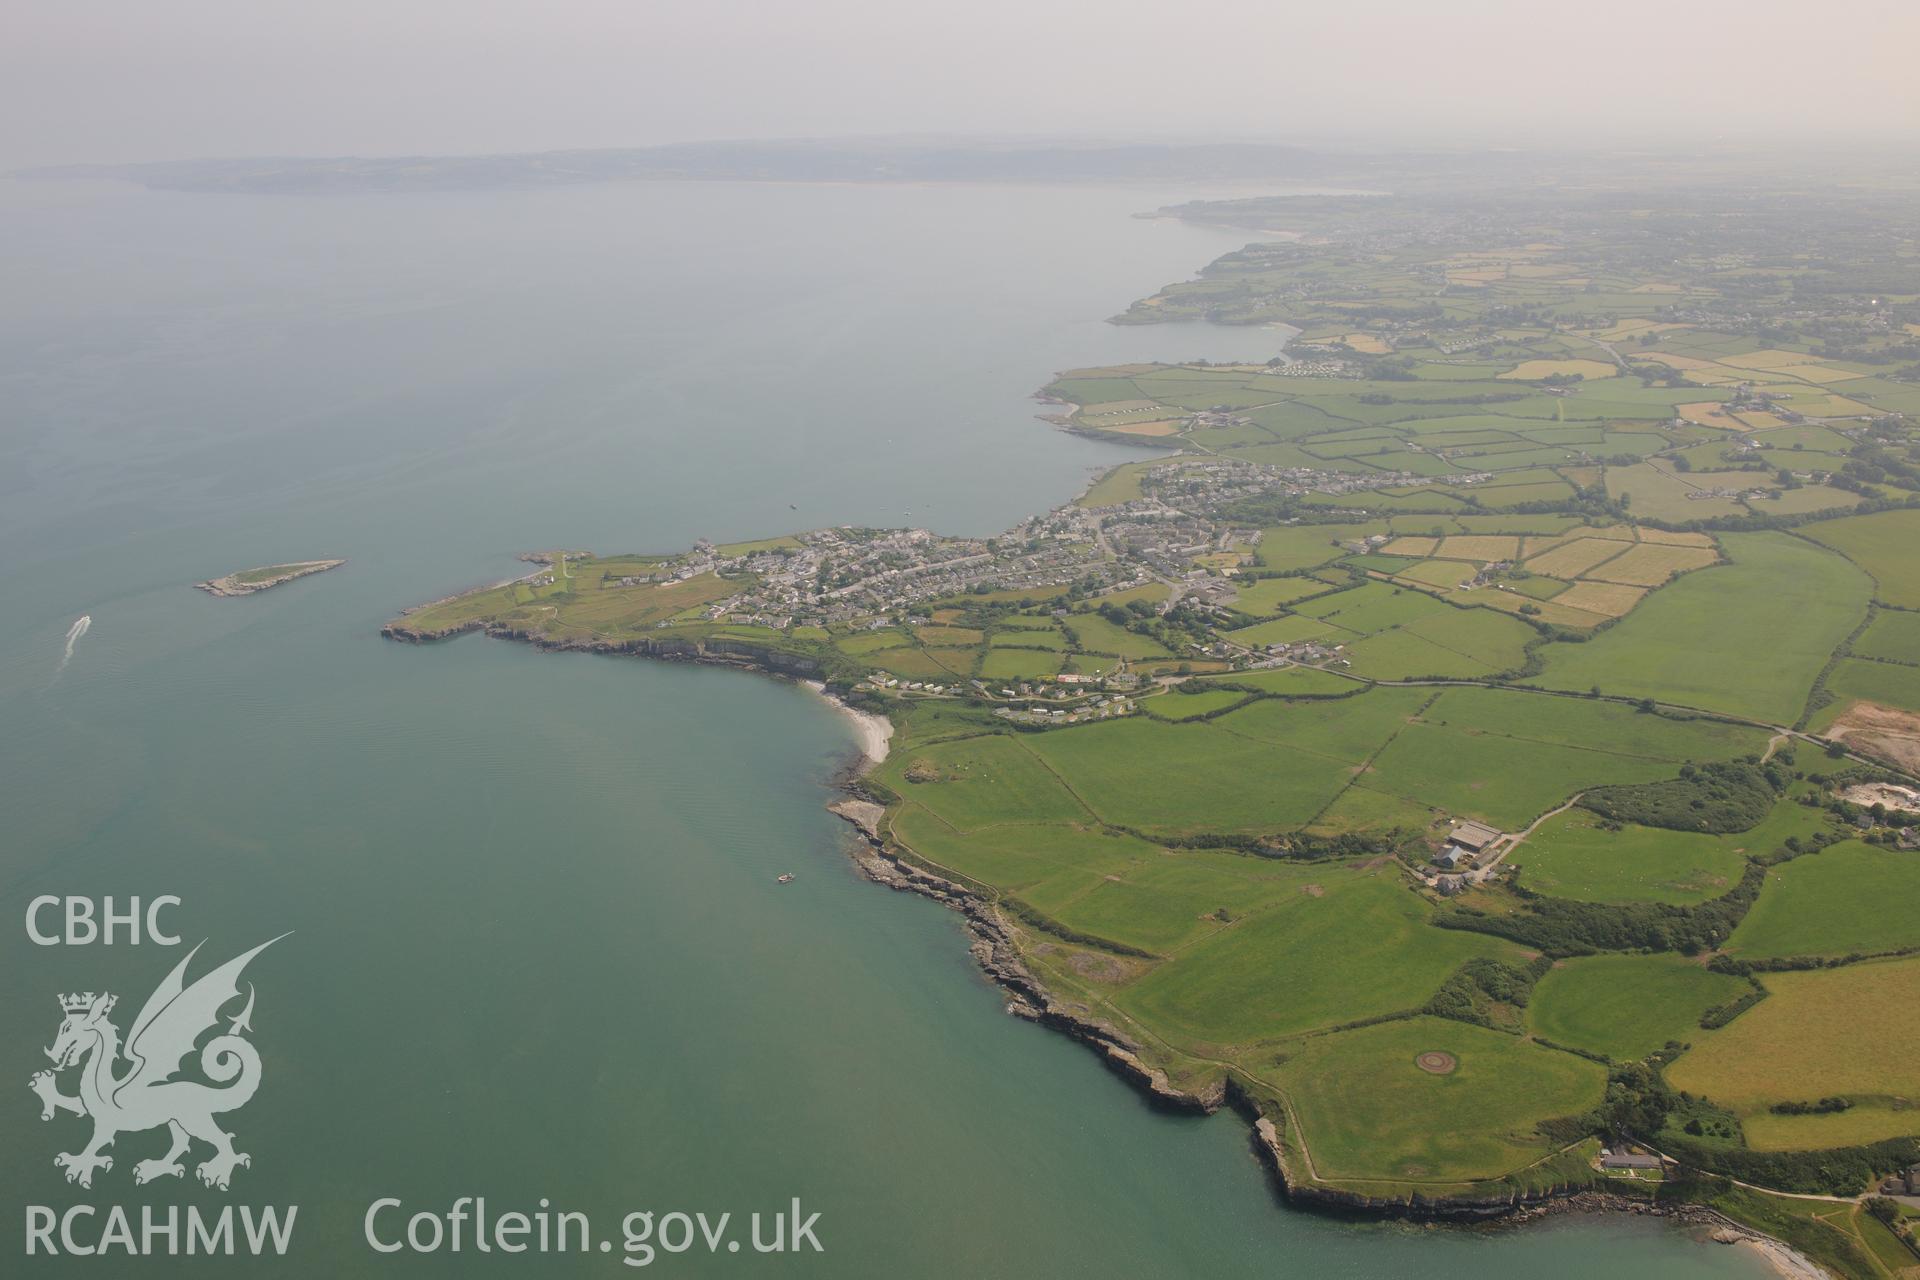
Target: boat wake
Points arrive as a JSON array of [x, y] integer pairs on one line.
[[74, 632]]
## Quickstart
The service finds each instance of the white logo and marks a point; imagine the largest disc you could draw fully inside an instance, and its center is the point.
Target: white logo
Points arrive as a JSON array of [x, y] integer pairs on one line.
[[145, 1095]]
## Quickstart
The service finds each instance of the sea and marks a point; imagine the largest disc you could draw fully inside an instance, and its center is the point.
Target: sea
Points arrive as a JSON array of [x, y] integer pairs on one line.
[[529, 946]]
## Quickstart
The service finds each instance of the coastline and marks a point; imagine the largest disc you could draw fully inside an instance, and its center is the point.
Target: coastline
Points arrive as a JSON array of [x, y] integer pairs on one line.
[[879, 859], [875, 732]]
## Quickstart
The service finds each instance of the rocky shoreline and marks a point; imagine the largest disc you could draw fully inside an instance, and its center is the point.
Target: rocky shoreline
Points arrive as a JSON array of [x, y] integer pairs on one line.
[[993, 950]]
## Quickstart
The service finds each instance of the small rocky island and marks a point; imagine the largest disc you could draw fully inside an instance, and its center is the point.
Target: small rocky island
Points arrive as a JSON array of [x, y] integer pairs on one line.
[[247, 581]]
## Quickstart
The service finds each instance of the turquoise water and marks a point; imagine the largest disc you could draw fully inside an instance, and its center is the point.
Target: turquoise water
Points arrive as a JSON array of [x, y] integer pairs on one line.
[[537, 948]]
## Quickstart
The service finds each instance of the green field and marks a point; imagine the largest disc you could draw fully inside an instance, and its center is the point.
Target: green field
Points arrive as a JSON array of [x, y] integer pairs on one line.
[[1095, 634], [1183, 705], [1849, 897], [1882, 545], [1626, 1006], [1889, 684], [1190, 777], [1366, 1111], [1575, 855], [1269, 595], [1473, 643], [1789, 603], [1508, 757], [977, 782], [1303, 546], [1891, 637], [1360, 948], [1290, 681], [1018, 664]]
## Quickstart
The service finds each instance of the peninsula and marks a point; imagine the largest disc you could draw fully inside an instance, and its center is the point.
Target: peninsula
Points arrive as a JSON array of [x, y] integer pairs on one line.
[[247, 581], [1478, 744]]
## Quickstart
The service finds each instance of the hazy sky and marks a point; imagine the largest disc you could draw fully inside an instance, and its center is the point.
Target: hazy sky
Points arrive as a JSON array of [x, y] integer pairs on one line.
[[162, 79]]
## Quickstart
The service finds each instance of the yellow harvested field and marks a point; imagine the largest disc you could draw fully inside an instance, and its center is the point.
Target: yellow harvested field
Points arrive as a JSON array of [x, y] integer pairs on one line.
[[1671, 360], [1719, 375], [1914, 329], [1830, 406], [1815, 372], [1530, 370], [1110, 371], [1676, 539], [1638, 326], [1756, 420], [1164, 427], [1485, 256], [1367, 344], [1115, 408], [1823, 1032], [1609, 598], [1572, 559], [1410, 546], [1766, 358], [1709, 413], [1550, 610], [1542, 270], [1858, 1125], [1649, 564], [1658, 286], [1481, 547]]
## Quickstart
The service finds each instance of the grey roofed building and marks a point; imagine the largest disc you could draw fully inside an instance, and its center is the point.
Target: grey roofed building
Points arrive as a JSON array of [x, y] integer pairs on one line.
[[1474, 835], [1628, 1160]]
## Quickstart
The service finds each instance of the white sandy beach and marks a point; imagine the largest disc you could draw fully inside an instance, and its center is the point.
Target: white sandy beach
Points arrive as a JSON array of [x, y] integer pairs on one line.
[[875, 732]]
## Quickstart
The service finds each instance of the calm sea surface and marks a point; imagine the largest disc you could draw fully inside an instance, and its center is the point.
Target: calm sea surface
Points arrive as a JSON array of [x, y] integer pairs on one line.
[[537, 949]]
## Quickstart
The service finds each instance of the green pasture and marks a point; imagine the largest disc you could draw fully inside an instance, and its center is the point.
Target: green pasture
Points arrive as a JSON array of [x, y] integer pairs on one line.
[[1746, 638], [1849, 897], [1627, 1006], [1367, 1111], [1359, 947], [1881, 544]]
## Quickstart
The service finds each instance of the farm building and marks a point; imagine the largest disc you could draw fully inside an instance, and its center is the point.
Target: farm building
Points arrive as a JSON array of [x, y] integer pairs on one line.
[[1628, 1160], [1473, 836]]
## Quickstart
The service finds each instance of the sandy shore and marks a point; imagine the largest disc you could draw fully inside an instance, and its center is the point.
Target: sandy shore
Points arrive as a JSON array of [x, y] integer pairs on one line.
[[1784, 1261], [875, 732]]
